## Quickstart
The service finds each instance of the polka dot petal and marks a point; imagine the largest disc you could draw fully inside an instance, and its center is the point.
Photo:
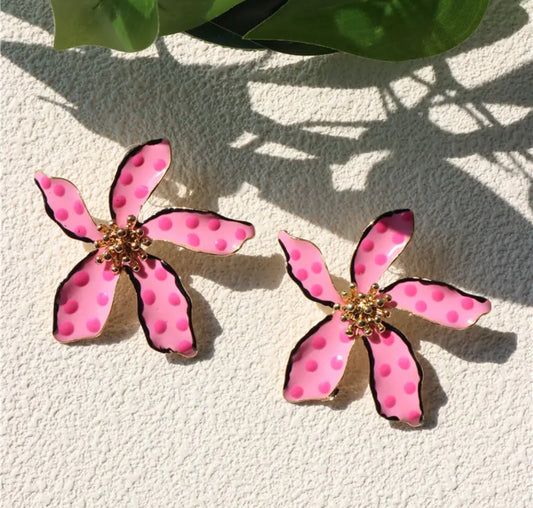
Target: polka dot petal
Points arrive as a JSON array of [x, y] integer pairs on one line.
[[395, 388], [308, 269], [438, 302], [87, 297], [379, 247], [162, 303], [318, 361], [199, 231], [66, 208]]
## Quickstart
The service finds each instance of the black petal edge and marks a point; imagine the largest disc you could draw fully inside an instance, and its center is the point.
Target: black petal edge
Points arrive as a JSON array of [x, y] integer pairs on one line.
[[131, 152], [367, 231], [140, 305], [50, 214], [372, 383], [315, 328], [63, 282], [298, 282], [427, 282]]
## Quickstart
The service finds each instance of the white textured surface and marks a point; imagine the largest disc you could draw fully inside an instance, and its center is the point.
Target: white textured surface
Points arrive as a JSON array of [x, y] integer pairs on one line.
[[318, 146]]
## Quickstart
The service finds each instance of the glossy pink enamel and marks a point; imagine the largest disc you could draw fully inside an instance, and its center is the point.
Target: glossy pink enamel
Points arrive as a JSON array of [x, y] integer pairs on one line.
[[439, 303], [395, 377], [138, 175], [83, 301], [65, 206], [199, 231], [317, 365], [164, 308], [306, 266], [380, 244]]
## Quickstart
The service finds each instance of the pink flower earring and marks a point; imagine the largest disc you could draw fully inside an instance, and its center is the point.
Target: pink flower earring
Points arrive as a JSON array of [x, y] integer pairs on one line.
[[83, 300], [317, 363]]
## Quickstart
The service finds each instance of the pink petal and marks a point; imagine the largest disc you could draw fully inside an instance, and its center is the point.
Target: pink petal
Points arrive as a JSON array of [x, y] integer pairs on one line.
[[438, 302], [395, 376], [64, 205], [307, 268], [138, 175], [318, 361], [83, 300], [199, 231], [381, 243], [164, 308]]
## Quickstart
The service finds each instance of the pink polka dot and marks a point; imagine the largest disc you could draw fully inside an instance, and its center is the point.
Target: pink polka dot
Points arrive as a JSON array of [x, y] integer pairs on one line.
[[452, 316], [137, 160], [414, 416], [80, 278], [213, 224], [160, 164], [421, 306], [407, 216], [79, 207], [380, 259], [380, 227], [359, 269], [384, 370], [184, 345], [296, 392], [318, 342], [93, 325], [302, 274], [160, 326], [174, 299], [71, 306], [148, 297], [221, 244], [409, 388], [367, 245], [192, 222], [80, 231], [390, 401], [316, 267], [296, 357], [108, 275], [141, 191], [311, 365], [240, 234], [437, 295], [410, 290], [125, 178], [182, 324], [295, 254], [59, 189], [467, 303], [316, 290], [66, 328], [398, 238], [164, 223], [61, 214], [344, 338], [119, 201], [324, 387], [45, 182], [102, 299], [404, 363], [160, 273], [336, 362], [193, 240]]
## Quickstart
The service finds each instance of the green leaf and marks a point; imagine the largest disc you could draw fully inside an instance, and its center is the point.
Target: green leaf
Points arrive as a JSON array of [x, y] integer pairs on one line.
[[180, 15], [380, 29], [211, 32], [127, 25]]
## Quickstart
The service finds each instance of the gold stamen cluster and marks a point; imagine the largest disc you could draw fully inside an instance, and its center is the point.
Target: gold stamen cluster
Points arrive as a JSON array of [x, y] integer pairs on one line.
[[364, 311], [123, 246]]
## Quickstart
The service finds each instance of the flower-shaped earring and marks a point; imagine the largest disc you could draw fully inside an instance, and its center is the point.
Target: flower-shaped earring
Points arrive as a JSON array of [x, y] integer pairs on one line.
[[317, 363], [83, 300]]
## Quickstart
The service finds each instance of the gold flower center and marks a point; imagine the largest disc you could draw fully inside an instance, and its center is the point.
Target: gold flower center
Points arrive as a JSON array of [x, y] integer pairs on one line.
[[364, 311], [122, 246]]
